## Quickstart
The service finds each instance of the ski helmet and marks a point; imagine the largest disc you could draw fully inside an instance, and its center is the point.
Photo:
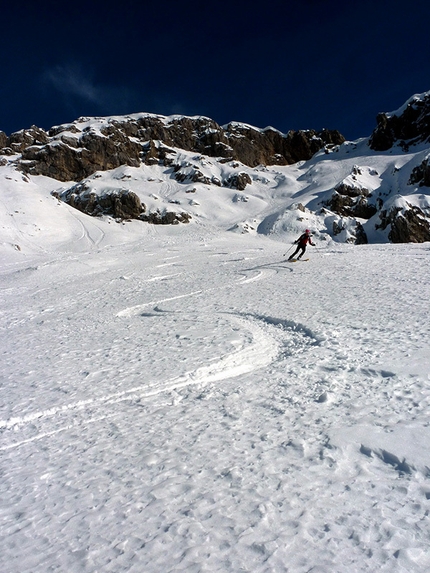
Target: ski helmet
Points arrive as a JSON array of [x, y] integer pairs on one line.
[[307, 232]]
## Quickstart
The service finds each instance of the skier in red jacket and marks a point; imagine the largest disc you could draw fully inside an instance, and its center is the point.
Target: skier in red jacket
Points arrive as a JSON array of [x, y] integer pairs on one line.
[[302, 241]]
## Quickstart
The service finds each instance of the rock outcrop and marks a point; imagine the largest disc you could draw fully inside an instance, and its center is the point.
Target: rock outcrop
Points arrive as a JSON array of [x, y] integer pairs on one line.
[[166, 218], [421, 174], [238, 181], [407, 126], [351, 199], [351, 202], [69, 159], [74, 151], [118, 203], [409, 224]]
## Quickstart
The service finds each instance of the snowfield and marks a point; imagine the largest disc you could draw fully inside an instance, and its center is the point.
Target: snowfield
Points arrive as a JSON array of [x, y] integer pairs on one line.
[[193, 402], [182, 398]]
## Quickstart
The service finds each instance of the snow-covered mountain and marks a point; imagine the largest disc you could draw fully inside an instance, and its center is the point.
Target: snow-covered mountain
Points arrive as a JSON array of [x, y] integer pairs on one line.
[[178, 397], [176, 169]]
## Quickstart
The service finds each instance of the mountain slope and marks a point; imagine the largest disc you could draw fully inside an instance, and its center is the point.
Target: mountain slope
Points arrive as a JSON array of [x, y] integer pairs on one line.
[[133, 167], [190, 401], [178, 397]]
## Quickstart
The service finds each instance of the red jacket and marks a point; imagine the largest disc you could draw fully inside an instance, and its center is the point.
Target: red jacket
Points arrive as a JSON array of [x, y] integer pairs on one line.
[[304, 240]]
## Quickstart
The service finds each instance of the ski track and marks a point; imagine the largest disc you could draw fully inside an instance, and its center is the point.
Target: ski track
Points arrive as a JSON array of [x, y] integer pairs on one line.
[[260, 352], [133, 310], [259, 275], [287, 449]]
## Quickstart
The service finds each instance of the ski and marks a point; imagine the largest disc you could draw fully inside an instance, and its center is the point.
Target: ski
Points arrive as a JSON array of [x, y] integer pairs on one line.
[[297, 260]]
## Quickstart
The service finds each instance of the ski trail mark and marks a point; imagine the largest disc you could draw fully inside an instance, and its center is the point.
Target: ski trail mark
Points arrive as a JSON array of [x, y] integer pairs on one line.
[[161, 278], [292, 327], [48, 434], [260, 274], [133, 310], [165, 265], [257, 351]]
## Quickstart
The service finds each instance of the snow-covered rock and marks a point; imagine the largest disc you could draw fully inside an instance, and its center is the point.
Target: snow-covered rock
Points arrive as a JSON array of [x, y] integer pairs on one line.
[[346, 189], [407, 126]]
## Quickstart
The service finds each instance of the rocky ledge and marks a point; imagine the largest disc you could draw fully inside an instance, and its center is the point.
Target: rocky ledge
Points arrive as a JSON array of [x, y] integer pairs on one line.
[[407, 126], [74, 151]]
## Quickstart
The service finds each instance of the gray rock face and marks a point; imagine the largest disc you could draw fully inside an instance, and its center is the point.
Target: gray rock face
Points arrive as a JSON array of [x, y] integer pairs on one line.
[[67, 160], [3, 139], [20, 140]]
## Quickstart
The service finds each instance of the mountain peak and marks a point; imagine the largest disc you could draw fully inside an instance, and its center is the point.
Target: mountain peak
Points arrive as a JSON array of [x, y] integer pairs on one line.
[[409, 125]]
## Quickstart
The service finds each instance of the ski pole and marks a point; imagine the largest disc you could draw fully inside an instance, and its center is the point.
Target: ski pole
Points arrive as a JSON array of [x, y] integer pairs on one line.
[[288, 250]]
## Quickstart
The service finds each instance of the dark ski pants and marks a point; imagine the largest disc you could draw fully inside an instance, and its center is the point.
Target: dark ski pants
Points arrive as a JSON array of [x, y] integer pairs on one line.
[[299, 248]]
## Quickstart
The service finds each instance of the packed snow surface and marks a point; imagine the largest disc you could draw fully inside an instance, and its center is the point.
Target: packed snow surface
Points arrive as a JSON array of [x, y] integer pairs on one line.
[[184, 399]]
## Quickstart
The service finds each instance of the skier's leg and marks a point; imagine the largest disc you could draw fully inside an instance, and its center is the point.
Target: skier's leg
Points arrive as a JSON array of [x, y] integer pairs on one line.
[[302, 253], [294, 254]]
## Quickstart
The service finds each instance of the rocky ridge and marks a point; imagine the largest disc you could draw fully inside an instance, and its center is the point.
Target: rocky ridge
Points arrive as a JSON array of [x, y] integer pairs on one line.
[[196, 150], [74, 151], [408, 126]]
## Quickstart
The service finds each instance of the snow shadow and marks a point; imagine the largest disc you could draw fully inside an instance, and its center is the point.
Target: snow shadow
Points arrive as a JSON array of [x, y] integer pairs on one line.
[[290, 326]]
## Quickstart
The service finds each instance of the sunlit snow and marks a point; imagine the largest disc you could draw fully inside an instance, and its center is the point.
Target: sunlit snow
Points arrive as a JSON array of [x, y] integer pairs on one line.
[[181, 398]]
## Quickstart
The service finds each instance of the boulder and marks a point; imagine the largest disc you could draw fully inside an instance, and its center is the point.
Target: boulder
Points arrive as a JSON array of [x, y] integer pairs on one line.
[[191, 173], [238, 181], [166, 218], [118, 203]]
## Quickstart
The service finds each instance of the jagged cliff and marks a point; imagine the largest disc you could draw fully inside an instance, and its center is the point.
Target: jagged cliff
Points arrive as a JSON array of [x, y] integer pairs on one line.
[[348, 187], [407, 126], [74, 151]]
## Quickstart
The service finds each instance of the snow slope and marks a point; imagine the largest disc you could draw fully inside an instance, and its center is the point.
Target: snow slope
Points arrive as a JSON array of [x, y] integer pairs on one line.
[[272, 204], [183, 399]]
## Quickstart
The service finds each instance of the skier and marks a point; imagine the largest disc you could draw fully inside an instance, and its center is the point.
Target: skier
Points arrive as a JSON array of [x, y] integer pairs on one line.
[[302, 241]]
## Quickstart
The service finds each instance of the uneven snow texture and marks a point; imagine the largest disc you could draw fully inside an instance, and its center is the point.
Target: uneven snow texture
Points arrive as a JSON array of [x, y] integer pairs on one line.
[[188, 401]]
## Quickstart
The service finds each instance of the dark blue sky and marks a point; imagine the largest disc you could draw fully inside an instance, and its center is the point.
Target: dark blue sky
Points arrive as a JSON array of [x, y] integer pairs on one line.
[[303, 64]]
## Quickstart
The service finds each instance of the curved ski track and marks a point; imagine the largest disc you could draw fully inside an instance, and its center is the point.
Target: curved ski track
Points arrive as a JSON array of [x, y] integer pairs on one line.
[[268, 339]]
